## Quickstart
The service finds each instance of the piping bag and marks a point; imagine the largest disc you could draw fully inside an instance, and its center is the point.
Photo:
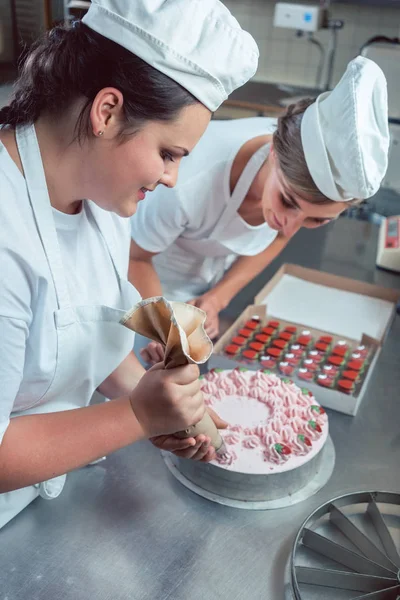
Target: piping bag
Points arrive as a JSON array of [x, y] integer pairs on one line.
[[179, 327]]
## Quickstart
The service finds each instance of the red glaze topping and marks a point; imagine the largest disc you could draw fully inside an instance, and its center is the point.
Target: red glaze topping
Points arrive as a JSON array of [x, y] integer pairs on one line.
[[239, 340], [303, 340], [321, 346], [274, 352], [261, 337], [268, 330], [280, 343], [273, 324], [336, 360], [251, 325], [231, 349], [352, 375], [256, 346], [305, 374], [355, 364], [340, 350], [291, 329], [346, 385], [251, 354], [245, 332], [286, 335], [326, 339]]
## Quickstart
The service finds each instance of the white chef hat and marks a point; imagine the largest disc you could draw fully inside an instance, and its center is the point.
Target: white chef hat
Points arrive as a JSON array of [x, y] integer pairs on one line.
[[345, 134], [198, 43]]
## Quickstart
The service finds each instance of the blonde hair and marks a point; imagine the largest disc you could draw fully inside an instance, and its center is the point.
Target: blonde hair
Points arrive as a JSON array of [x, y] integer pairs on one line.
[[290, 155]]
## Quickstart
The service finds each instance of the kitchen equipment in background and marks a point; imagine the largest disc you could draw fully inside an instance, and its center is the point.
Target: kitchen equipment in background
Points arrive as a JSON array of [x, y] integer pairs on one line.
[[307, 19], [349, 548], [298, 16], [386, 53], [388, 256]]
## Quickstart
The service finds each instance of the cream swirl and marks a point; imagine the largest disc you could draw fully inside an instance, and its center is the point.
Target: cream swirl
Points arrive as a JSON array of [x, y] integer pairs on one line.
[[228, 386], [232, 438], [209, 387], [301, 445], [312, 429], [227, 458], [251, 442], [238, 378], [277, 453]]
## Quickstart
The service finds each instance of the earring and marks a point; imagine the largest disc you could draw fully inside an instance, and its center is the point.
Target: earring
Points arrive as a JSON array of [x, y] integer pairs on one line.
[[100, 133]]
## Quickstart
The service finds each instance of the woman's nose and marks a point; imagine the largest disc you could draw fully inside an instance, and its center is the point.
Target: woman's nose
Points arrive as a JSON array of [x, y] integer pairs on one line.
[[169, 177], [292, 224]]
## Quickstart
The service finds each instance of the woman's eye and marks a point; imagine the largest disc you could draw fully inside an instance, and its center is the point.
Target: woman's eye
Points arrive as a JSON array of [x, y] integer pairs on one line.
[[167, 156], [285, 202]]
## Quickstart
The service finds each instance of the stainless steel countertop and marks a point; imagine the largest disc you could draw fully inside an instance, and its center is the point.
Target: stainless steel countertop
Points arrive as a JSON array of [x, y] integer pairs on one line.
[[126, 529]]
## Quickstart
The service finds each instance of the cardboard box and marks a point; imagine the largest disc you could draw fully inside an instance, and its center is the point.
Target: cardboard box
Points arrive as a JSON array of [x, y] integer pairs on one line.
[[360, 313]]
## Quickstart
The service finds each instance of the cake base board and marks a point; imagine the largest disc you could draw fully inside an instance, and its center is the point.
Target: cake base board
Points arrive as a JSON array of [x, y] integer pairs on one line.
[[325, 470]]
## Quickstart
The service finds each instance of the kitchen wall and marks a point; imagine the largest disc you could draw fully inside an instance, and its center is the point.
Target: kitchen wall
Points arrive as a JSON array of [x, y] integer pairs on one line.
[[285, 58]]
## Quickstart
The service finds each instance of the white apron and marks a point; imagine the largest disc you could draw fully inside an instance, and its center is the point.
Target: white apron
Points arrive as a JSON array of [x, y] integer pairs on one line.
[[191, 267], [90, 341]]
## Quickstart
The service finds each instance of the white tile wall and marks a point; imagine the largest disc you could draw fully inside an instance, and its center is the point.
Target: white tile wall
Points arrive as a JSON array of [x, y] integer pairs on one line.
[[285, 58]]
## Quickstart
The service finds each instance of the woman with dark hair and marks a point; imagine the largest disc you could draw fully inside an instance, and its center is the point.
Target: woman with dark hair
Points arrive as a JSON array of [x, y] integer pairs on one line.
[[250, 185], [103, 111]]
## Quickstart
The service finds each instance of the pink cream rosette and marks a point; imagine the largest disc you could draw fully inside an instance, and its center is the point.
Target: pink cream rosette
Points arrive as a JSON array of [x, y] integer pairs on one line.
[[251, 442], [226, 459]]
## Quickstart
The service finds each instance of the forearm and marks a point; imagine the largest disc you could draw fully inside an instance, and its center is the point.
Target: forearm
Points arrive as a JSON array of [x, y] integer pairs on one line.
[[244, 270], [123, 379], [38, 447], [144, 277]]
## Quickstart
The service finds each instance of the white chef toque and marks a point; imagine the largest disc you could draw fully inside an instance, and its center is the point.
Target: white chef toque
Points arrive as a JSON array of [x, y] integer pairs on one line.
[[198, 43], [345, 134]]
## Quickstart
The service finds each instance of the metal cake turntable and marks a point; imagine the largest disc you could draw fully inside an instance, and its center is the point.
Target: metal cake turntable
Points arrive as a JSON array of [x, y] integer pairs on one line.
[[349, 549], [254, 492]]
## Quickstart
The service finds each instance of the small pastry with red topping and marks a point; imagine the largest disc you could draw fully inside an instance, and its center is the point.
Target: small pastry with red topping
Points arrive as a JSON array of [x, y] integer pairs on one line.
[[250, 354], [346, 386], [231, 349], [239, 340], [304, 338], [325, 381], [341, 348], [305, 374], [246, 333], [285, 368], [268, 362]]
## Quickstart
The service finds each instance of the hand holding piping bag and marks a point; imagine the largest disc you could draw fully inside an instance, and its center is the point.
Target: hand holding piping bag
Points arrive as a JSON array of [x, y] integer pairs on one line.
[[179, 327]]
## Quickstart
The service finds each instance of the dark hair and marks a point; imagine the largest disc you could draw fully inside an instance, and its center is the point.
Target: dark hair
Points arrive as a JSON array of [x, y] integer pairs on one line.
[[290, 154], [76, 62]]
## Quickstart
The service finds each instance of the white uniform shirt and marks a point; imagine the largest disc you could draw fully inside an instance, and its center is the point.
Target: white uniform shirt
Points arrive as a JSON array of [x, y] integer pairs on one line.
[[28, 347], [193, 208]]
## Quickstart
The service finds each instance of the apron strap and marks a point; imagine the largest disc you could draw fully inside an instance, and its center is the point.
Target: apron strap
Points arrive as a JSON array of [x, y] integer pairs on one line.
[[102, 220], [242, 187], [29, 151]]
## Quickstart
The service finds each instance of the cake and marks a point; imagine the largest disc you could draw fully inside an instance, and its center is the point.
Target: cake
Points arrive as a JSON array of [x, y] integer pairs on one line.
[[274, 440]]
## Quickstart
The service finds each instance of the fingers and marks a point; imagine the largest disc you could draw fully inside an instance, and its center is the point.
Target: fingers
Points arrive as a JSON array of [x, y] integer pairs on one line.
[[153, 353], [199, 451], [172, 443], [212, 330], [185, 375], [220, 423]]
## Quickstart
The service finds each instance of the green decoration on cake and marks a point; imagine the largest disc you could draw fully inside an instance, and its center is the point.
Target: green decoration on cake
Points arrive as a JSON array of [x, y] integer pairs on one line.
[[282, 449], [318, 409]]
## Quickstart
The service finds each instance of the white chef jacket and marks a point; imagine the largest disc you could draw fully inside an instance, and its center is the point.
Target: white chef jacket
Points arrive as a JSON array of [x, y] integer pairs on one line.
[[172, 221], [28, 346]]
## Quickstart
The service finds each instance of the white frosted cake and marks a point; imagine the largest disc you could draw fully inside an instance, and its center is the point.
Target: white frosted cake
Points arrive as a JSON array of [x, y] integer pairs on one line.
[[274, 440]]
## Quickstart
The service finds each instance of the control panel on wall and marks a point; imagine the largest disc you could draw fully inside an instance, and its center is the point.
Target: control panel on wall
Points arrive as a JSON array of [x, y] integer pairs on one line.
[[298, 16]]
